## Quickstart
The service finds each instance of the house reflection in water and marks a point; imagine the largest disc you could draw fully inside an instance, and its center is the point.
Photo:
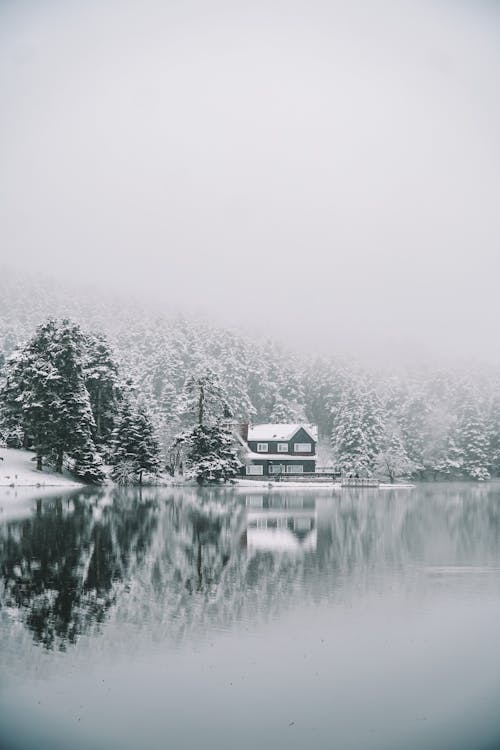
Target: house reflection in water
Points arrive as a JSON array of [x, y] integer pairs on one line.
[[280, 522]]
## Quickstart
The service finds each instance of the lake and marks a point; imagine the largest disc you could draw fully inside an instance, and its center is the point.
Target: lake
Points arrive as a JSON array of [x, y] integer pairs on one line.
[[243, 618]]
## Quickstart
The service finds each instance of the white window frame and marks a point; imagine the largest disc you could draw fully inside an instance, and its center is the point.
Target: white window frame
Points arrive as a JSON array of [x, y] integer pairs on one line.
[[276, 468], [295, 469], [262, 447], [282, 447], [254, 470], [302, 448]]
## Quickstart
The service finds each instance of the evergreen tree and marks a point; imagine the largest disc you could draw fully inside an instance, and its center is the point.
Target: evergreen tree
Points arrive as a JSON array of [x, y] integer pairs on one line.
[[357, 432], [474, 442], [393, 462], [102, 383], [413, 416], [450, 464], [136, 450], [494, 436], [210, 452], [46, 396], [203, 397]]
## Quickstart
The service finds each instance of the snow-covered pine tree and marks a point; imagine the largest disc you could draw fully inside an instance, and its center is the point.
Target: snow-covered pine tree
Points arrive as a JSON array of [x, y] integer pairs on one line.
[[413, 415], [494, 434], [210, 452], [45, 393], [449, 464], [135, 447], [474, 441], [103, 384], [208, 447], [286, 411], [393, 461], [357, 431], [204, 396]]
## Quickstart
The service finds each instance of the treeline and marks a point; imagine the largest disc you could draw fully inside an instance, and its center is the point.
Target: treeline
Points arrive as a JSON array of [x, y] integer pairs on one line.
[[424, 423], [62, 396]]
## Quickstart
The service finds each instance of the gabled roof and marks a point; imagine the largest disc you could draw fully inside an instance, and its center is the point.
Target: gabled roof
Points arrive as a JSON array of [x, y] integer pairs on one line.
[[265, 432]]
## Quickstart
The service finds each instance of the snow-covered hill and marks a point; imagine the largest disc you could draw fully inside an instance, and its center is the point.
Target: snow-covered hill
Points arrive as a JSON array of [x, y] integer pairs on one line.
[[428, 422]]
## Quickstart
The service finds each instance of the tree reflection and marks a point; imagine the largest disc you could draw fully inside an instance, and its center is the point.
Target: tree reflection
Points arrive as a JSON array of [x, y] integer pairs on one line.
[[63, 567], [170, 562]]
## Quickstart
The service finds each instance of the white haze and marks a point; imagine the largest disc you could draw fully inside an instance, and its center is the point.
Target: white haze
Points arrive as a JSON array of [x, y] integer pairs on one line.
[[327, 172]]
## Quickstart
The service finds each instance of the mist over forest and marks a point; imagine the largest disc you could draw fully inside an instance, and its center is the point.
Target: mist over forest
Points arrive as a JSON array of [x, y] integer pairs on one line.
[[441, 422]]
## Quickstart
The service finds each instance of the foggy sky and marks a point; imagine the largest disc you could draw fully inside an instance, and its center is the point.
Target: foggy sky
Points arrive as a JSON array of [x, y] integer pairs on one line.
[[325, 171]]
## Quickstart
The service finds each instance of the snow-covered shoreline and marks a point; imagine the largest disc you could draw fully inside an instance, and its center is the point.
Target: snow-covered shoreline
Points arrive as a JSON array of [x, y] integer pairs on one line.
[[17, 470], [315, 485]]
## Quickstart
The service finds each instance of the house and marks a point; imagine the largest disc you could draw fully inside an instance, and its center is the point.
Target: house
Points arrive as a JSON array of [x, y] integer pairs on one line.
[[279, 448]]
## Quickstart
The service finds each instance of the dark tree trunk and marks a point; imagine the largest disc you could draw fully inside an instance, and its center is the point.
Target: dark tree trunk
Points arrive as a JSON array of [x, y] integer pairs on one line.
[[59, 461], [201, 405], [39, 462], [98, 411]]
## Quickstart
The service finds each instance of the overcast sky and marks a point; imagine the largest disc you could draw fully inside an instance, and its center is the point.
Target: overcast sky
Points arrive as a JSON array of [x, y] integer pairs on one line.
[[322, 170]]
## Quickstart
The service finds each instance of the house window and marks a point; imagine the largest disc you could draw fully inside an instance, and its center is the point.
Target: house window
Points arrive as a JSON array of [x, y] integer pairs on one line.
[[276, 469], [262, 447], [302, 447], [255, 470], [282, 447], [294, 469]]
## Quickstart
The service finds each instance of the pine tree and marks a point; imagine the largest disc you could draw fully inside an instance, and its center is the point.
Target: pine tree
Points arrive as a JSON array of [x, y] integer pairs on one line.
[[494, 436], [203, 397], [210, 452], [357, 432], [136, 450], [474, 441], [46, 396], [102, 383], [414, 412], [450, 464], [393, 461]]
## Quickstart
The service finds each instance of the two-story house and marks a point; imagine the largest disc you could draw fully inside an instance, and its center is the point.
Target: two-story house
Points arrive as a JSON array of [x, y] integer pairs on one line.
[[279, 448]]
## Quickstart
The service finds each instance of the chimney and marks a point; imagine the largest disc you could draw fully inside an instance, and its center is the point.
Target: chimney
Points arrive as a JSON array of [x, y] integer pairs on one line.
[[243, 429]]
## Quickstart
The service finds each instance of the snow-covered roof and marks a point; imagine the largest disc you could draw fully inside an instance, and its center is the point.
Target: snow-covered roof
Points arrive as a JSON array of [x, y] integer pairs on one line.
[[280, 431]]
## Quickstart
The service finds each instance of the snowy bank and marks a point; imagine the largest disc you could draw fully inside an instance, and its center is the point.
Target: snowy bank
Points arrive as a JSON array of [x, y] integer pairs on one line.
[[17, 469], [287, 485], [315, 485]]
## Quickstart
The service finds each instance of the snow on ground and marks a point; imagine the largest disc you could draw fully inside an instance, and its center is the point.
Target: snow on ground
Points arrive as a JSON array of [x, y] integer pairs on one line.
[[17, 469], [286, 485], [313, 485]]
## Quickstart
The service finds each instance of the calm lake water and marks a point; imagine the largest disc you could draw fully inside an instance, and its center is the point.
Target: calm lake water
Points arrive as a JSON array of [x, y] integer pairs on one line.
[[219, 618]]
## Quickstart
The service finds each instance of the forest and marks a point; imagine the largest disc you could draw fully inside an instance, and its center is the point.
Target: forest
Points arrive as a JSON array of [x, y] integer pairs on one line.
[[440, 422]]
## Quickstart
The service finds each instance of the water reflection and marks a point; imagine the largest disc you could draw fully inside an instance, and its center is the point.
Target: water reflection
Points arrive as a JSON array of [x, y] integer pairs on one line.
[[280, 522], [172, 562], [64, 566]]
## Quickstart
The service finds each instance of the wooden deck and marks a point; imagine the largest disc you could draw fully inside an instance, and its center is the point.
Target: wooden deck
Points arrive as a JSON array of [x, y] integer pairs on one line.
[[309, 476], [359, 482]]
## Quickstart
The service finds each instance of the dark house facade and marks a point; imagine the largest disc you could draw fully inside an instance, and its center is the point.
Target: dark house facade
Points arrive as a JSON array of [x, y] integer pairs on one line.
[[274, 449]]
